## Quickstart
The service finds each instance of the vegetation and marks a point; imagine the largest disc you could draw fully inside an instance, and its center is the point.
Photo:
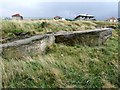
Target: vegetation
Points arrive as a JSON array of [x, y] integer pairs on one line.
[[13, 30], [64, 66], [106, 24]]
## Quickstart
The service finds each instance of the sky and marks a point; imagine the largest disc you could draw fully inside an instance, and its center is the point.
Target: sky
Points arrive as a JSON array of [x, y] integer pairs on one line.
[[101, 9]]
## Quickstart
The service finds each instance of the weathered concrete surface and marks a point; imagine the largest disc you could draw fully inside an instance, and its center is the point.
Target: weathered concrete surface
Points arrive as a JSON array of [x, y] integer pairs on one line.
[[38, 44], [30, 46], [88, 37]]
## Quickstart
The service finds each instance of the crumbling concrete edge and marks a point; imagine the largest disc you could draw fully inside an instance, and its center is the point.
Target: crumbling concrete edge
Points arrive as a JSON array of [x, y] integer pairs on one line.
[[41, 37]]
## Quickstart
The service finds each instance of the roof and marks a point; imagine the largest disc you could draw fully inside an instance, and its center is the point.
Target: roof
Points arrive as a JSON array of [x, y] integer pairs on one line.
[[58, 17], [113, 18], [84, 15], [18, 15]]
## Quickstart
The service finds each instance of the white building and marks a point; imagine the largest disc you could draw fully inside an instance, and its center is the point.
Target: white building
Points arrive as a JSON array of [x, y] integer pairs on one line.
[[85, 17], [112, 19]]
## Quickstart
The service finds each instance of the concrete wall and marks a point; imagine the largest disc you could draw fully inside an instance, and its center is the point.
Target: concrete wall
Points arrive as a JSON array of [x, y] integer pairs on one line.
[[27, 47], [38, 44], [88, 37]]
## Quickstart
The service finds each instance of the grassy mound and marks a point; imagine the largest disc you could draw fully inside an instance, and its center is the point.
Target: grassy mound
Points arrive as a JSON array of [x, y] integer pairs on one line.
[[65, 66], [14, 30]]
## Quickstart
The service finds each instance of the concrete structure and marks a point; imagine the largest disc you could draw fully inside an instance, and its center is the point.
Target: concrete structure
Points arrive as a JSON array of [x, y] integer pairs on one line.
[[112, 19], [29, 46], [87, 37], [17, 17], [85, 17], [39, 43]]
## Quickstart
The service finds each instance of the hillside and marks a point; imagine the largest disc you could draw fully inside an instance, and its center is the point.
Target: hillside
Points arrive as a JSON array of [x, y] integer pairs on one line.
[[15, 30], [78, 66]]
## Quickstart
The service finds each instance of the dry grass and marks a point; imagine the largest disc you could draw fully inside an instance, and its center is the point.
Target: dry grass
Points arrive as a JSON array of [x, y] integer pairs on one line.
[[12, 29], [62, 66], [66, 66]]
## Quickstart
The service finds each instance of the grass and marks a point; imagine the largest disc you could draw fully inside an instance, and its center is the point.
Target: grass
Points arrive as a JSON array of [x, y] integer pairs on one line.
[[65, 66], [14, 30], [61, 66]]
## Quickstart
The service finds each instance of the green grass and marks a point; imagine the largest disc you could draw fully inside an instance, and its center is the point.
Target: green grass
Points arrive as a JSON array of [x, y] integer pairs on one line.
[[66, 66], [14, 30]]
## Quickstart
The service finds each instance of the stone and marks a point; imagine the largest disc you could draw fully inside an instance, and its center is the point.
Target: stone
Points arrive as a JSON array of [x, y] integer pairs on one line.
[[88, 37], [37, 44]]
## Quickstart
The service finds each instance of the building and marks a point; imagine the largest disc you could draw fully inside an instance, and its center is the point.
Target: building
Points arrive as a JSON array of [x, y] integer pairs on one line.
[[59, 18], [112, 19], [7, 18], [85, 17], [17, 17], [118, 19]]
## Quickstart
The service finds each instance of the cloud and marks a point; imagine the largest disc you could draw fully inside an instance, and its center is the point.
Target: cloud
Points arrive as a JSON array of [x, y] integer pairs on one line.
[[1, 11], [45, 8], [78, 1], [22, 3], [8, 7]]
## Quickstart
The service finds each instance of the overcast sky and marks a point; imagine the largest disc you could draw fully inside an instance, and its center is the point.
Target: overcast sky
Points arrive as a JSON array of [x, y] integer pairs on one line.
[[64, 8]]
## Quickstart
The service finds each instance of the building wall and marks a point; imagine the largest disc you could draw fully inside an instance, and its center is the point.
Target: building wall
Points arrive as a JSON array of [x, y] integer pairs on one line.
[[115, 20], [83, 18], [112, 20], [16, 18]]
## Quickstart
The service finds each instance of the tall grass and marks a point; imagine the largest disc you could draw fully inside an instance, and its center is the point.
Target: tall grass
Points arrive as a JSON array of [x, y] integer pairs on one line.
[[66, 66], [14, 29]]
